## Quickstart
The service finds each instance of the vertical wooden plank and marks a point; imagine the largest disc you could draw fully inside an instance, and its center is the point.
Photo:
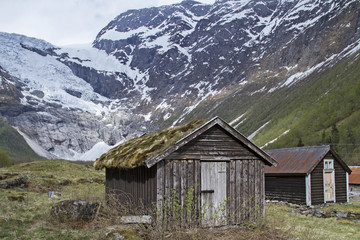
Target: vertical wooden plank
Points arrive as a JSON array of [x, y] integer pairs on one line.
[[160, 187], [167, 178], [170, 188], [177, 188], [204, 197], [232, 193], [260, 177], [228, 203], [126, 182], [153, 185], [190, 184], [262, 192], [176, 179], [251, 190], [257, 188], [245, 181], [254, 207], [197, 190], [183, 186], [138, 197], [220, 176], [239, 197], [190, 174]]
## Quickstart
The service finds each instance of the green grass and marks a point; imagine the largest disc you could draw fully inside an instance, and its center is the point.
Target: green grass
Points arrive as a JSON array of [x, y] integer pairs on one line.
[[312, 228], [15, 145], [30, 219], [353, 207], [136, 151]]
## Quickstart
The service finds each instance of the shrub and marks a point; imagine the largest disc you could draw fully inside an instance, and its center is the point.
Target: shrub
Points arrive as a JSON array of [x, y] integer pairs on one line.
[[4, 159]]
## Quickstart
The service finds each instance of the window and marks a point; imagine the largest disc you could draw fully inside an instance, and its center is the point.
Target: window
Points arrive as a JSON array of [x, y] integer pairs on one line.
[[328, 164]]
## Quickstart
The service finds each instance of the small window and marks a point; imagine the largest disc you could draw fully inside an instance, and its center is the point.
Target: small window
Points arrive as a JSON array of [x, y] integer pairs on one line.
[[328, 164]]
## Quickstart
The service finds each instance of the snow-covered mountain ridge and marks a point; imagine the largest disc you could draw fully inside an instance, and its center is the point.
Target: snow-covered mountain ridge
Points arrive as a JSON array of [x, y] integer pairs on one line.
[[152, 68]]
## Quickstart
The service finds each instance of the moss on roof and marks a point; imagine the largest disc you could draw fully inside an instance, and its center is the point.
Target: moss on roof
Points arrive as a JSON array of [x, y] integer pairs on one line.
[[136, 151]]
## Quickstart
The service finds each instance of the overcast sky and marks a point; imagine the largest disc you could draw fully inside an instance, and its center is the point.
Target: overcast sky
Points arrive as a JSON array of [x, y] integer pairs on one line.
[[64, 22]]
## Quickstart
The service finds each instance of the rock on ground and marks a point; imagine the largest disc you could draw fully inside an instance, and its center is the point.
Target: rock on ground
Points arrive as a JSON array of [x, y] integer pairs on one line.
[[73, 211]]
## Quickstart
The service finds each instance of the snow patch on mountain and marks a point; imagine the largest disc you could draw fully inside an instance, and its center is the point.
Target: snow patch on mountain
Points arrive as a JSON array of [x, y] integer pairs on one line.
[[95, 152], [88, 56], [275, 139], [251, 136], [237, 119]]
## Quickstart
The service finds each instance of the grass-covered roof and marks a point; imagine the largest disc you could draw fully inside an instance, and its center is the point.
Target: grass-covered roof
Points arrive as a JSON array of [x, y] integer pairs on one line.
[[136, 151]]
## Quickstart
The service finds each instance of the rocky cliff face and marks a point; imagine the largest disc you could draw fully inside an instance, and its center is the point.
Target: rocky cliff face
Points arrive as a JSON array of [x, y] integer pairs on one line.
[[59, 112], [152, 68], [190, 52]]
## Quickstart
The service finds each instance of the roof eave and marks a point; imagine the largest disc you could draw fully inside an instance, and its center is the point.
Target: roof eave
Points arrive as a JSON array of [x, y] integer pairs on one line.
[[175, 146], [285, 174], [342, 163], [318, 160], [216, 120]]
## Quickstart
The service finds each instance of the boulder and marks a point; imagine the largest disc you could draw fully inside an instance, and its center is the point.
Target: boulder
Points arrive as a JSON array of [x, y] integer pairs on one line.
[[319, 213], [342, 214], [19, 182], [73, 211], [120, 232], [144, 219]]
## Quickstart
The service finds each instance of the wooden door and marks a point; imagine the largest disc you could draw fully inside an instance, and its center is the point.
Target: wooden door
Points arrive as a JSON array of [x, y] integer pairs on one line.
[[329, 186], [213, 193]]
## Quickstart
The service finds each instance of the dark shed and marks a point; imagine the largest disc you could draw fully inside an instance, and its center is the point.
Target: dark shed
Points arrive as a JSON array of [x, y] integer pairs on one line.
[[208, 162], [307, 175]]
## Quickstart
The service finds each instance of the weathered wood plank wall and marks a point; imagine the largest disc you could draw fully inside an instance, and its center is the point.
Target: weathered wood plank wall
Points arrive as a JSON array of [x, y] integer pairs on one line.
[[133, 187], [286, 188], [180, 173], [340, 180], [317, 184], [245, 191], [213, 144]]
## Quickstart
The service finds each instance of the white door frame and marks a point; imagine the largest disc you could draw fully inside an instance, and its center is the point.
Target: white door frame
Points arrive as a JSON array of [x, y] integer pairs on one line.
[[308, 189], [328, 169]]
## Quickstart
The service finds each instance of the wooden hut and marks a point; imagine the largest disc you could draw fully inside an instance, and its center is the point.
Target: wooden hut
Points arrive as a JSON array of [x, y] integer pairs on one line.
[[206, 164], [354, 182], [307, 175]]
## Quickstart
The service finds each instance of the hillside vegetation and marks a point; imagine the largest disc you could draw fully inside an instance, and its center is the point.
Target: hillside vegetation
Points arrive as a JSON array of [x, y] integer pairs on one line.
[[14, 145], [323, 109]]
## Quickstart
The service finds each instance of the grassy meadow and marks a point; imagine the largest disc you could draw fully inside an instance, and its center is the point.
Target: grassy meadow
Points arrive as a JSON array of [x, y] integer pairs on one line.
[[25, 212]]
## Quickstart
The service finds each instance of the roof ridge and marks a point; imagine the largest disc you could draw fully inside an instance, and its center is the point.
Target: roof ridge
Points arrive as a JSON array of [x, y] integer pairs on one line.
[[304, 147]]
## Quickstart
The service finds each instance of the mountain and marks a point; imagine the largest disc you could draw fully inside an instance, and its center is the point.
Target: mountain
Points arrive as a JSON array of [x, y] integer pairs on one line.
[[51, 106], [248, 61]]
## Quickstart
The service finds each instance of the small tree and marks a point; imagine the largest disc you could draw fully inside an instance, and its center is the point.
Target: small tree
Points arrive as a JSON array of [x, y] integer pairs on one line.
[[335, 135], [4, 159], [300, 143]]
